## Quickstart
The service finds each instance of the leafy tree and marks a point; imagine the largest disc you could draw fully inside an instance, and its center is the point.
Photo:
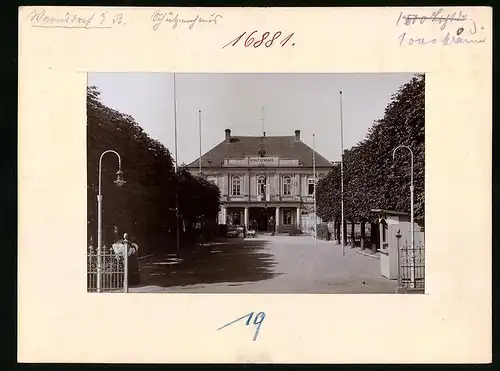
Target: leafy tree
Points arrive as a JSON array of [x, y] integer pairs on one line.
[[371, 178], [328, 200], [145, 206], [197, 196]]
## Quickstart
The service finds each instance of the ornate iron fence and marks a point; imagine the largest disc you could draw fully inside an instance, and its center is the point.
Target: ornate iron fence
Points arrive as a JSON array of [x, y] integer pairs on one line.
[[411, 266], [105, 270]]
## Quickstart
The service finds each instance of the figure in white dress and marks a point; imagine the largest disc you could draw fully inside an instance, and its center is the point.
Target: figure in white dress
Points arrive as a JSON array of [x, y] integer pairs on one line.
[[132, 250]]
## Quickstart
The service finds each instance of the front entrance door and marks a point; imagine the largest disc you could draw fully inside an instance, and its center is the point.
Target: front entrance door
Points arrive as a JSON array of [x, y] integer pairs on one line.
[[263, 222], [262, 216]]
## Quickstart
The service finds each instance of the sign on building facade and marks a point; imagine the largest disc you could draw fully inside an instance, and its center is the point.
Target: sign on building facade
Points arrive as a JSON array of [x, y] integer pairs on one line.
[[263, 161]]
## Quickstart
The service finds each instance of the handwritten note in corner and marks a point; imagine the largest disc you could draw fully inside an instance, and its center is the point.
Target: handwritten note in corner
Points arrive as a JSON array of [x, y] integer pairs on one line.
[[456, 28], [257, 322], [174, 19], [83, 19]]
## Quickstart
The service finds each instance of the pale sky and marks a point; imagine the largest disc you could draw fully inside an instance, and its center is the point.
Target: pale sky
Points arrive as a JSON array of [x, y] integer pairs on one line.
[[308, 102]]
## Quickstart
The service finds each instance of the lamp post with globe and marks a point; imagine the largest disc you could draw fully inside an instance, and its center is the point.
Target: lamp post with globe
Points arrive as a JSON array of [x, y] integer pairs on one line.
[[119, 182], [412, 231]]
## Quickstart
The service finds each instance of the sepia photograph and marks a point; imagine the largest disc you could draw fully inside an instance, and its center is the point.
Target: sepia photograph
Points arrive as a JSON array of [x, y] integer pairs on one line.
[[256, 183], [263, 154]]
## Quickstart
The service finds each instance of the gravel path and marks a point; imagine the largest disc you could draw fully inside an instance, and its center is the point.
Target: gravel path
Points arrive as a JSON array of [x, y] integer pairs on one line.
[[298, 266]]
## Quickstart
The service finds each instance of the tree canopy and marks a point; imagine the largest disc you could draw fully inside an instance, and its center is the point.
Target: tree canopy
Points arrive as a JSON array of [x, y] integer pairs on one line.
[[371, 178], [197, 196], [145, 206]]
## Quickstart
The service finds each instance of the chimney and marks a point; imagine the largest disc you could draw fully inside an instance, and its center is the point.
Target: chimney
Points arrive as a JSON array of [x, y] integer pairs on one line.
[[297, 135], [228, 134]]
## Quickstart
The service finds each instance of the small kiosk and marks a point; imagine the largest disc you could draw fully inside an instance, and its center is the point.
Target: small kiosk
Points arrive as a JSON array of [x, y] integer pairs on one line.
[[391, 223]]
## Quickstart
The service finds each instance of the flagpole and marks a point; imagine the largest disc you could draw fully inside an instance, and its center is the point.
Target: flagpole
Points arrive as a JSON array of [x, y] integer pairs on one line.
[[262, 118], [314, 193], [199, 124], [176, 168], [342, 176]]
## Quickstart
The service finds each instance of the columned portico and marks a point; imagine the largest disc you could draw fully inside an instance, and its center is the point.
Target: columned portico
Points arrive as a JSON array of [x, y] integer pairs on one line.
[[263, 180]]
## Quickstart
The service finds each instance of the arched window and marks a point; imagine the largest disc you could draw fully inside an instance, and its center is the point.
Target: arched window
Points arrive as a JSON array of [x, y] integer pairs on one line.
[[261, 185], [236, 186], [287, 185]]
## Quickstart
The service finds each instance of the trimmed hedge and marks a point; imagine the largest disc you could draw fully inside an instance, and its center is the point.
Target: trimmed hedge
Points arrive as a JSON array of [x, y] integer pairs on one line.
[[323, 233], [291, 230]]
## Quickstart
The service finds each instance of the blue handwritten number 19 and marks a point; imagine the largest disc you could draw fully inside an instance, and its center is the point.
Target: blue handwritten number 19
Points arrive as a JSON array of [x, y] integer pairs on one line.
[[258, 320]]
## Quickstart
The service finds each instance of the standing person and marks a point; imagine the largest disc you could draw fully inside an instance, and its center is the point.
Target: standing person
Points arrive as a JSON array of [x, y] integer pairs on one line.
[[272, 224], [133, 263]]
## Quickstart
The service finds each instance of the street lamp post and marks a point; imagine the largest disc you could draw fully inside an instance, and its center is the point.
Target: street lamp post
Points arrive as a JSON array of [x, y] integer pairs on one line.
[[119, 182], [314, 195], [199, 124], [342, 175], [176, 172], [412, 231]]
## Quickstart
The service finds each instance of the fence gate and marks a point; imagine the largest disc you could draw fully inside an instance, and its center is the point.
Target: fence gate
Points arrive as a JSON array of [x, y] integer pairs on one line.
[[411, 266], [105, 270]]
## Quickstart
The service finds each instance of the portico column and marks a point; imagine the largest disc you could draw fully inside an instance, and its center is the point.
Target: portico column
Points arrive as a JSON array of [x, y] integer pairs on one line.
[[298, 217], [223, 214], [246, 217], [277, 218]]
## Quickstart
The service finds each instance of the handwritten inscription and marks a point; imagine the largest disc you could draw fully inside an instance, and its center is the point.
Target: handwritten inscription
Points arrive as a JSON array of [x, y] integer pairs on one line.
[[437, 17], [258, 320], [256, 40], [459, 28], [107, 19], [158, 18], [449, 39]]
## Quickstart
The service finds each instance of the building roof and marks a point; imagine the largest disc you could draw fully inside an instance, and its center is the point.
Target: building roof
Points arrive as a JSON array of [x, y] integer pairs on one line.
[[289, 147]]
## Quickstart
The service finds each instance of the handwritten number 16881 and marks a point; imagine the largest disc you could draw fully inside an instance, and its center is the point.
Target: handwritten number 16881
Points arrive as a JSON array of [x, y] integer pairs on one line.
[[265, 39]]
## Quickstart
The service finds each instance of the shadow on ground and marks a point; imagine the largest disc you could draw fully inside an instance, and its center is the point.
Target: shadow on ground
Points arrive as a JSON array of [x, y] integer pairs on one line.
[[228, 261]]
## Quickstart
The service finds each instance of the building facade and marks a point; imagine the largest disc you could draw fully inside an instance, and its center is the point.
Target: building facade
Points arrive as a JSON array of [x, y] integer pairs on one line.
[[264, 178]]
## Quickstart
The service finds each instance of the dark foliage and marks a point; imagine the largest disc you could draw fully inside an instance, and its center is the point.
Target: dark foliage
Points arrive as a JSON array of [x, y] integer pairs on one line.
[[145, 206], [323, 233], [296, 230], [371, 178], [197, 196]]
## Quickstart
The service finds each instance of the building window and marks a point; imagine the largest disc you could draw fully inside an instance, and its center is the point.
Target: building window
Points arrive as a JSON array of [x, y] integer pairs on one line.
[[287, 185], [287, 218], [310, 186], [261, 185], [236, 186]]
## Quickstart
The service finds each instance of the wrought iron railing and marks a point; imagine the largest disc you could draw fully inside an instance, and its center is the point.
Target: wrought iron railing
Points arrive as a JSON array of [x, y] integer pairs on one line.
[[105, 270], [411, 266]]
